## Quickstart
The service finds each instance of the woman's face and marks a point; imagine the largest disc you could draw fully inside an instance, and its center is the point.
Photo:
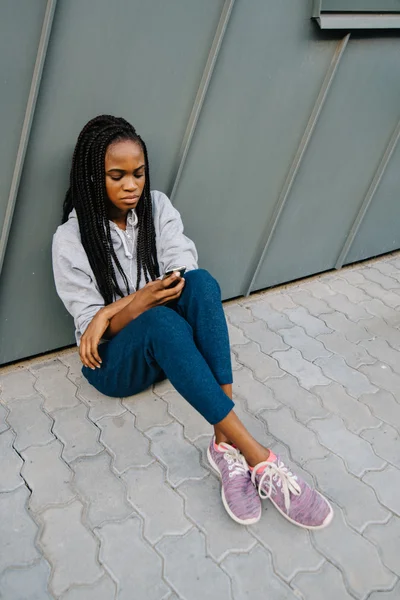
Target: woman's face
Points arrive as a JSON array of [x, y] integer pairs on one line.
[[125, 175]]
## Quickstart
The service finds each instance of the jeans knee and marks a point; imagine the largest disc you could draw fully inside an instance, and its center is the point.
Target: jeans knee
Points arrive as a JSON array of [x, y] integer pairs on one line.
[[203, 282], [163, 321]]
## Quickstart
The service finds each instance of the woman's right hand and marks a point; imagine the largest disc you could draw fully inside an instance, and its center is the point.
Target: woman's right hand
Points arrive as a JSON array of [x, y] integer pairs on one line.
[[158, 292]]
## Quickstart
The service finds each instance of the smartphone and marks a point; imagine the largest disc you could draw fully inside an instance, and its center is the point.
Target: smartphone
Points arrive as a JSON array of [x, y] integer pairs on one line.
[[180, 270]]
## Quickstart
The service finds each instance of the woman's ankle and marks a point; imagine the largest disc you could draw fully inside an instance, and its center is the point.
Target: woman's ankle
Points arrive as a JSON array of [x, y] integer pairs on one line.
[[255, 458]]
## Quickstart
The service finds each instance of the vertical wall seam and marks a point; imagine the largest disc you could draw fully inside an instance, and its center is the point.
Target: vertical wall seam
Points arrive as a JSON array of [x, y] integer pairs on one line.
[[202, 90], [379, 173], [27, 125], [298, 158]]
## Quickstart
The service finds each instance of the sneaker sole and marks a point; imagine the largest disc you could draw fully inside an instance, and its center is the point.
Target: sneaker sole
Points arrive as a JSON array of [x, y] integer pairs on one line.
[[326, 522], [228, 510]]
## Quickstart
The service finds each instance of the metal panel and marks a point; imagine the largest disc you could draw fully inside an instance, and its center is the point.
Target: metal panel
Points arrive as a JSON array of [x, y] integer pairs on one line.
[[358, 21], [361, 5]]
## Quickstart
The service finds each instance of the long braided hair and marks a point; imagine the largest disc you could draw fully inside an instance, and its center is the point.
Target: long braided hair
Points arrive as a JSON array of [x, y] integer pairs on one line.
[[87, 194]]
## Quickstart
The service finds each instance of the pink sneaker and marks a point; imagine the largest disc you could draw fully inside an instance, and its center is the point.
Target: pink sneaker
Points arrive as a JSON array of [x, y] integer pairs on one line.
[[291, 495], [239, 496]]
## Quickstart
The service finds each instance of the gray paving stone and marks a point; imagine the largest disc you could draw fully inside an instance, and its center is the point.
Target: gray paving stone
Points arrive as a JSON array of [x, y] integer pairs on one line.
[[354, 354], [237, 314], [352, 292], [379, 328], [274, 319], [352, 276], [257, 395], [204, 506], [161, 507], [70, 548], [384, 406], [17, 384], [338, 370], [290, 546], [305, 405], [378, 309], [382, 376], [386, 443], [236, 335], [193, 423], [337, 401], [242, 569], [302, 442], [47, 475], [354, 332], [104, 493], [134, 564], [74, 364], [308, 374], [252, 423], [394, 594], [180, 458], [3, 414], [328, 578], [99, 405], [386, 537], [384, 267], [356, 453], [309, 347], [381, 350], [278, 300], [235, 365], [386, 484], [262, 365], [103, 589], [76, 432], [17, 530], [355, 312], [390, 298], [150, 410], [11, 463], [317, 288], [189, 571], [29, 583], [30, 423], [315, 306], [269, 340], [52, 382], [162, 387], [373, 274], [355, 556], [357, 500], [126, 444], [312, 325]]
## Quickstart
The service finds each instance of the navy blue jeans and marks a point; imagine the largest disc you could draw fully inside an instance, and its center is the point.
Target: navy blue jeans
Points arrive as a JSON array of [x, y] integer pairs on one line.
[[186, 341]]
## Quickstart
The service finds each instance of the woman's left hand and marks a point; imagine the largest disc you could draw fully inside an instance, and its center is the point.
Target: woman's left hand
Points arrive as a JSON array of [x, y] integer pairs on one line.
[[88, 349]]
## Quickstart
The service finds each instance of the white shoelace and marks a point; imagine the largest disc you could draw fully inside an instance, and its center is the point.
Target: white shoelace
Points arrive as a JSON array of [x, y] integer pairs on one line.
[[237, 464], [277, 474]]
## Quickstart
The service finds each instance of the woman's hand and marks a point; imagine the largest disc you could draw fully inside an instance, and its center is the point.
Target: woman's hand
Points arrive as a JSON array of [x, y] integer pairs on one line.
[[88, 349], [159, 292]]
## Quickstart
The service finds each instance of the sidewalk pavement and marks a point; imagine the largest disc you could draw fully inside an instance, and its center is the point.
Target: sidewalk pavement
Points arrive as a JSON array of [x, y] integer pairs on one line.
[[105, 499]]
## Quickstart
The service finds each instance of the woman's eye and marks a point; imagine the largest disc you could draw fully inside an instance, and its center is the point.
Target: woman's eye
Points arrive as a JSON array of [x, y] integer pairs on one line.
[[116, 178]]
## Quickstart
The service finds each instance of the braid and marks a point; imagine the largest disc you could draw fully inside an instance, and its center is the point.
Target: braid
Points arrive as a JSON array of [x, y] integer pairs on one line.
[[87, 194]]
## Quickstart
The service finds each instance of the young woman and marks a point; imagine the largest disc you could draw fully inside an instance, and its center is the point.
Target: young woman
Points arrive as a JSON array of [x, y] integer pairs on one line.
[[117, 241]]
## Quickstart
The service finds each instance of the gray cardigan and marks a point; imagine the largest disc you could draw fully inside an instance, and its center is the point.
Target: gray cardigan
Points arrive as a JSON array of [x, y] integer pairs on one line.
[[74, 278]]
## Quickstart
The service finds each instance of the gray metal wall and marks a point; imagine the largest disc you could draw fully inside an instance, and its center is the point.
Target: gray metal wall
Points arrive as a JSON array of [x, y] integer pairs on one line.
[[277, 141]]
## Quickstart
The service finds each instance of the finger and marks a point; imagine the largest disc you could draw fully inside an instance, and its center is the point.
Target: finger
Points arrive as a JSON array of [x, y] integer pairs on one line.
[[90, 357], [86, 354], [95, 355], [171, 292], [168, 281]]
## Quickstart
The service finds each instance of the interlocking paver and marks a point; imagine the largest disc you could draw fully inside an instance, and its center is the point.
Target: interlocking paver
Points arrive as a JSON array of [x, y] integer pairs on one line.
[[74, 364], [11, 463], [317, 288], [189, 571], [312, 325], [357, 499], [237, 314], [276, 299], [203, 505], [354, 354], [76, 432], [381, 350], [29, 583], [150, 410], [385, 267], [394, 594], [161, 507], [3, 414], [328, 578], [302, 442], [352, 292], [269, 340], [379, 328], [390, 298], [383, 376], [355, 414], [134, 564], [341, 303], [356, 557], [386, 537], [306, 372], [352, 276], [274, 319], [337, 369], [99, 405], [309, 347], [193, 423], [373, 274], [386, 484], [104, 493], [17, 384], [354, 332], [52, 383], [236, 335], [305, 405], [384, 406], [30, 423], [180, 458], [315, 306], [258, 396], [70, 548], [103, 589], [377, 308], [241, 569], [386, 443], [262, 365], [127, 445], [47, 475], [356, 453], [17, 530]]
